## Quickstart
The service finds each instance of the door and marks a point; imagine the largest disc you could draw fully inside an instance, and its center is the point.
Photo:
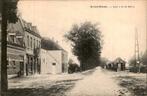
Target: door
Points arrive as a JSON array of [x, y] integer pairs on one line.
[[53, 68], [21, 68]]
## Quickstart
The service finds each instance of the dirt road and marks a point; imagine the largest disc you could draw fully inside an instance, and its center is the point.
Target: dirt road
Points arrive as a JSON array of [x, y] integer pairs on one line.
[[96, 82]]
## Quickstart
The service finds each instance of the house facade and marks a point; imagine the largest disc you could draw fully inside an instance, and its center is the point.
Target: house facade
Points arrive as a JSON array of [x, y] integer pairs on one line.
[[32, 40], [15, 48], [54, 61], [23, 47]]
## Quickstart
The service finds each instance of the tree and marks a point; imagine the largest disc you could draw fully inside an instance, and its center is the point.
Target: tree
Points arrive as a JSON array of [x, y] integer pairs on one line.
[[86, 44], [9, 10], [73, 67], [134, 67], [144, 58], [103, 61], [132, 62]]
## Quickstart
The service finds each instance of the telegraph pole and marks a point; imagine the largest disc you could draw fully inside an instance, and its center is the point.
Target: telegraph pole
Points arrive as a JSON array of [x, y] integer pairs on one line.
[[146, 57], [137, 57], [9, 15]]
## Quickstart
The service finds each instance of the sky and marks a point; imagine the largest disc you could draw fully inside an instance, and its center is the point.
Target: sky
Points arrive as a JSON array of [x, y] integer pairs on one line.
[[55, 18]]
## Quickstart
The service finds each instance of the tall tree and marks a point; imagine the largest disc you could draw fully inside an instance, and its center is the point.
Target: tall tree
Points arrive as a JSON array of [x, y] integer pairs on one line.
[[144, 58], [9, 10], [86, 43]]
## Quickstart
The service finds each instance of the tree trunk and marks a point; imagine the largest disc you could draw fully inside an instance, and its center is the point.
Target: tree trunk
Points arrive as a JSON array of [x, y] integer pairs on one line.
[[4, 81]]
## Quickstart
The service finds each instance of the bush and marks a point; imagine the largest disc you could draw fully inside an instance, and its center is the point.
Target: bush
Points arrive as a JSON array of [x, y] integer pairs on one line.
[[143, 69], [73, 68]]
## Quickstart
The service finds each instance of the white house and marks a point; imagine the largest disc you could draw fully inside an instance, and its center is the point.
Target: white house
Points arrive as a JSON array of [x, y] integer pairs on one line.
[[54, 61]]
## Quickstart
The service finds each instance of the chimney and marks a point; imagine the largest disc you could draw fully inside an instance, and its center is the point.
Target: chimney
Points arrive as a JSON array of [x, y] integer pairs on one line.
[[24, 22], [34, 28], [29, 26]]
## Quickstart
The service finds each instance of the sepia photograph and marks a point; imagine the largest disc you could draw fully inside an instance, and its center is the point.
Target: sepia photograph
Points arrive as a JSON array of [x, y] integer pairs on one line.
[[73, 48]]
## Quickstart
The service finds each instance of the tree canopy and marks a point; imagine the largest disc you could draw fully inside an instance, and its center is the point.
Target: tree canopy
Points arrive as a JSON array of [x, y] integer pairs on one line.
[[9, 15], [10, 7], [86, 44]]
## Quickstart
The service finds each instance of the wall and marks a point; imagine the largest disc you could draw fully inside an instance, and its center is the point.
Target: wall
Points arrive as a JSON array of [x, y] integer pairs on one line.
[[18, 30], [47, 60], [64, 61], [15, 50], [35, 43]]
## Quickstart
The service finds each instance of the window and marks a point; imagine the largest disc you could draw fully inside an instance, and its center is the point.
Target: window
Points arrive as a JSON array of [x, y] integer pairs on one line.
[[13, 38], [53, 64], [28, 41], [13, 64], [39, 44], [34, 43], [31, 42]]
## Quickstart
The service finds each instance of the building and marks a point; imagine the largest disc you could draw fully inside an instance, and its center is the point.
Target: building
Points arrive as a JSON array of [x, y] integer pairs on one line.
[[32, 43], [117, 65], [54, 61], [15, 48], [120, 63], [23, 47]]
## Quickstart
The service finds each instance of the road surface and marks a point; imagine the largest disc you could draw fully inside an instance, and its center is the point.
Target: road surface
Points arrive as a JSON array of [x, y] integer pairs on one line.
[[96, 82]]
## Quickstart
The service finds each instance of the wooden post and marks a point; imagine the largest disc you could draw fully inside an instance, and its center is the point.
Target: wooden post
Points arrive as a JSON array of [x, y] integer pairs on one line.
[[0, 60], [4, 82]]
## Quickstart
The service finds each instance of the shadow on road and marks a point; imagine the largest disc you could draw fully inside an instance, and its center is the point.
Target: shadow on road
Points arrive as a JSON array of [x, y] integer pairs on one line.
[[59, 88], [53, 91]]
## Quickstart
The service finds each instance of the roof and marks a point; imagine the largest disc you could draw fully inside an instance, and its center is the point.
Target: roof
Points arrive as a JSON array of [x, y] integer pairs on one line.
[[119, 60], [30, 28], [49, 44]]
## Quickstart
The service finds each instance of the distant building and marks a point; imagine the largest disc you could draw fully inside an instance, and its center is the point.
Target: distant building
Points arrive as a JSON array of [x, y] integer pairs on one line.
[[120, 63], [54, 61], [117, 65]]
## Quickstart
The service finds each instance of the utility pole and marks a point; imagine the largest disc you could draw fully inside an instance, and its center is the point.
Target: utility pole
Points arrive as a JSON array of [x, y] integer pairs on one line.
[[9, 15], [146, 53], [137, 57], [0, 40], [146, 62], [4, 82]]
